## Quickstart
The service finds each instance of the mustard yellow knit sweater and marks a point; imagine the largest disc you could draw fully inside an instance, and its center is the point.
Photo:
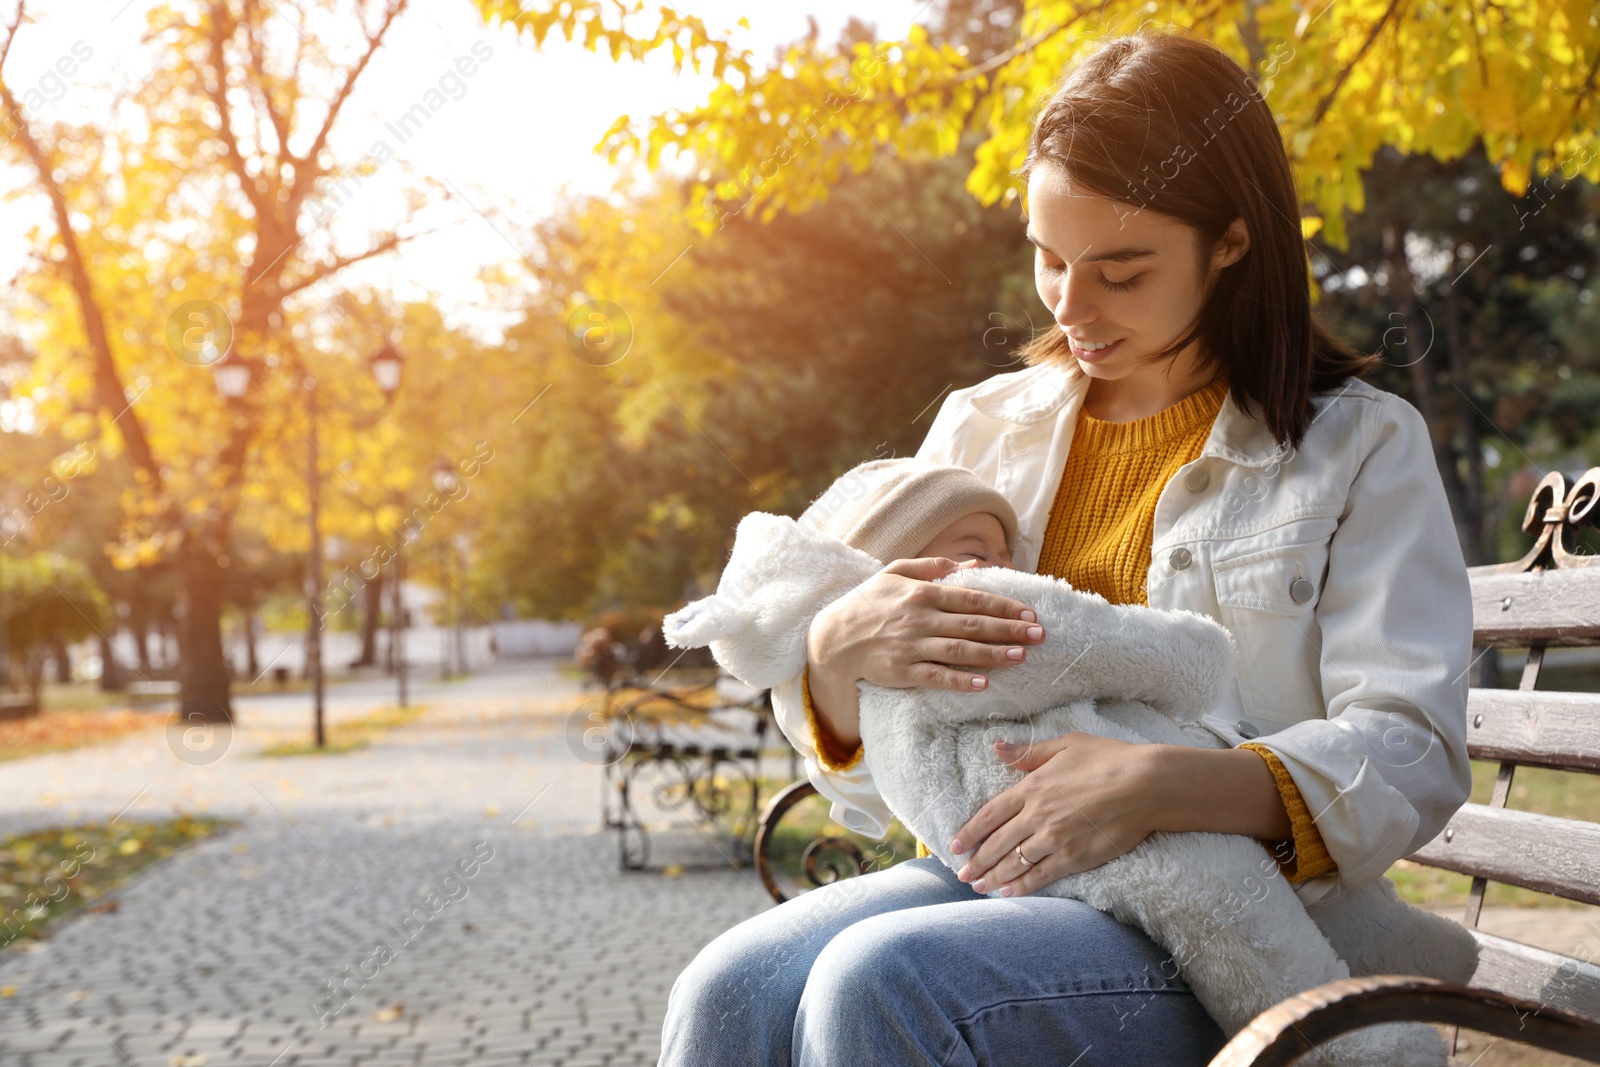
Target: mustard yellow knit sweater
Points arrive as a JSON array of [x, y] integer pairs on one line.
[[1098, 538]]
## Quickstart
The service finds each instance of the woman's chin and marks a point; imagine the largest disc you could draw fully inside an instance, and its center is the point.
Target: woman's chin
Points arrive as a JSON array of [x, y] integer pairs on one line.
[[1109, 370]]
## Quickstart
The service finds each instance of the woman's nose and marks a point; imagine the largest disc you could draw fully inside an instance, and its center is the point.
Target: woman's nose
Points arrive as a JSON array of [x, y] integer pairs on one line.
[[1074, 302]]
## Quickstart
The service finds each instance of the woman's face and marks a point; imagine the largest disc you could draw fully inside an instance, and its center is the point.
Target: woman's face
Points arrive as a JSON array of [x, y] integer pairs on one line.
[[1111, 272]]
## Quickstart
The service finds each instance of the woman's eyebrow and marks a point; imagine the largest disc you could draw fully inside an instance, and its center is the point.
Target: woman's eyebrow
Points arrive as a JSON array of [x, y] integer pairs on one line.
[[1117, 255]]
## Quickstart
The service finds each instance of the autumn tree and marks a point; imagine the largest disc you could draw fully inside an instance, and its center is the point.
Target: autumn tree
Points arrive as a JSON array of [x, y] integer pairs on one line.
[[197, 224]]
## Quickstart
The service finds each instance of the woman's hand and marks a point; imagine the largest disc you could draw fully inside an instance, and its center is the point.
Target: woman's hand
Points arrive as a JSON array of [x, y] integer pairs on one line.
[[1085, 800], [899, 629]]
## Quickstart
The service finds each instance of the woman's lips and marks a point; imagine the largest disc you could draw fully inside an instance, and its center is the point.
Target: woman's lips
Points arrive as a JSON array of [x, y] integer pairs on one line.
[[1091, 357]]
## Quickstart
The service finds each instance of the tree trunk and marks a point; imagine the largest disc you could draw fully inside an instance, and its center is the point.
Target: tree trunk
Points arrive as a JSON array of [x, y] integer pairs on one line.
[[140, 625], [63, 661], [252, 665], [1417, 325], [35, 667], [111, 680], [1474, 501], [202, 668], [371, 618]]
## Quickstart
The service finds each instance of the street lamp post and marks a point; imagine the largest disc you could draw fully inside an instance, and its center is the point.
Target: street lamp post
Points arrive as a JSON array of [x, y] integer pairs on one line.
[[387, 365], [232, 377], [314, 570], [447, 482]]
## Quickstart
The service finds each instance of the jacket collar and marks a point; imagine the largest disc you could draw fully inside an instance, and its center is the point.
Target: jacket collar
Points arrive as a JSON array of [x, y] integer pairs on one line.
[[1031, 394], [1039, 392]]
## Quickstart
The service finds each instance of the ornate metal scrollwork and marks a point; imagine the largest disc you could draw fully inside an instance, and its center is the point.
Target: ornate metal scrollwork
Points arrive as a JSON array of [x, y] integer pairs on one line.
[[1556, 512], [685, 768], [818, 871]]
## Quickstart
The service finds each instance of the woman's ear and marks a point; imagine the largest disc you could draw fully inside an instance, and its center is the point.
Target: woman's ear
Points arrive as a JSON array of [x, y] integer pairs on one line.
[[1231, 246]]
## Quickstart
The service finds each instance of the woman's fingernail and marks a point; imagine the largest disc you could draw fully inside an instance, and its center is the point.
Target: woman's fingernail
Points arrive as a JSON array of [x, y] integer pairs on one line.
[[1036, 633], [1028, 616], [1005, 746], [978, 886], [979, 682], [1013, 653], [958, 848], [1005, 890]]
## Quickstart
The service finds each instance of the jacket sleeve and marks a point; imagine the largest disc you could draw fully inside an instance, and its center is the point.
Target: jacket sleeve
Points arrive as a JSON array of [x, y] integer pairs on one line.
[[1388, 766]]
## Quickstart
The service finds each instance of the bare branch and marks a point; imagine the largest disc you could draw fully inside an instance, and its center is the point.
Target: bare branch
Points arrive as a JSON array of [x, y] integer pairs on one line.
[[374, 42], [110, 392], [222, 27], [11, 33], [339, 263], [263, 83]]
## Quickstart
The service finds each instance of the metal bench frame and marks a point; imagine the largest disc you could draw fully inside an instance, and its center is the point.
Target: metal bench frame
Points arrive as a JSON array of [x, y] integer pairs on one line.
[[702, 767], [1549, 598]]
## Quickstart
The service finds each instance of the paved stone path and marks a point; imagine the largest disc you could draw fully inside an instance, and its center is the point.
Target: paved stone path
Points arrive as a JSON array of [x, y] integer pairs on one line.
[[227, 953]]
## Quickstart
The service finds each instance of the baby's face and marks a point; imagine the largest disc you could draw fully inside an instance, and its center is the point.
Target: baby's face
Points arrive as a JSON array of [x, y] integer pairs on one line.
[[977, 536]]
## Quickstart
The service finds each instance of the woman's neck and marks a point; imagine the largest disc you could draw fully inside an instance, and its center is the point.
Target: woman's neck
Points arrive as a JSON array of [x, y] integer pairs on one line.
[[1145, 392]]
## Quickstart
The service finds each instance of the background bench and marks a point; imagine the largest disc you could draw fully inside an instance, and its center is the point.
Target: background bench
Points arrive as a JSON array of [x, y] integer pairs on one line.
[[694, 751]]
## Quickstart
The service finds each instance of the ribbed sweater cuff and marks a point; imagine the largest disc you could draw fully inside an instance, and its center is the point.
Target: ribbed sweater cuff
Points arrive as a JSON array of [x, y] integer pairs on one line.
[[1308, 857], [830, 753]]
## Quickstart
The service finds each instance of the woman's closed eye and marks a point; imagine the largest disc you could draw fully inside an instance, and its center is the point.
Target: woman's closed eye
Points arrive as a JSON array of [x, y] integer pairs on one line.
[[1118, 287]]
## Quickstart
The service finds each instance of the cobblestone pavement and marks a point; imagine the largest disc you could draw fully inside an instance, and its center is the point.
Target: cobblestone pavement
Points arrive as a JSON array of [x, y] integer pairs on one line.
[[227, 953]]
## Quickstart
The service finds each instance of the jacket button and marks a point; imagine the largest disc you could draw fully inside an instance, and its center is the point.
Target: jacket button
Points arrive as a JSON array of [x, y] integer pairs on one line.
[[1180, 558], [1196, 480], [1247, 729], [1302, 590]]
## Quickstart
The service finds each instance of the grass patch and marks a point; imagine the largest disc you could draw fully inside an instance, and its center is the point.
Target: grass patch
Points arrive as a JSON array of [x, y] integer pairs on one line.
[[1534, 789], [351, 736], [810, 821], [59, 730], [79, 696], [49, 873]]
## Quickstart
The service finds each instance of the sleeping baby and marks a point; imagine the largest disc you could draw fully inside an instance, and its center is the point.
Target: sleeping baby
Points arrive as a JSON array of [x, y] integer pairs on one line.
[[1237, 932]]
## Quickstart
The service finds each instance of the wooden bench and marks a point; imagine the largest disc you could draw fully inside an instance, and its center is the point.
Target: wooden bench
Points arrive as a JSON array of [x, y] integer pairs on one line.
[[667, 747], [1549, 598], [17, 706], [148, 693]]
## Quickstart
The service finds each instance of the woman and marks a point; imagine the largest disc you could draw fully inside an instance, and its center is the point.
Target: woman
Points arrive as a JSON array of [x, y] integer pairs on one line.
[[1187, 437]]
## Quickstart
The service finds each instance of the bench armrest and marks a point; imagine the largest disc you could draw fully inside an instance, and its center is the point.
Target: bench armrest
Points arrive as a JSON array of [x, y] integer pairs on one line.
[[1285, 1032]]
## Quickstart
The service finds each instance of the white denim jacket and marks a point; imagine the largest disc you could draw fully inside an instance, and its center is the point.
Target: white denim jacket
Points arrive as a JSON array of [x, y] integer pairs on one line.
[[1336, 566]]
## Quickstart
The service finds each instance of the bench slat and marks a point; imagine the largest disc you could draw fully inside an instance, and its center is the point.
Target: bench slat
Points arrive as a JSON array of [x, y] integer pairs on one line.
[[1538, 975], [1538, 852], [1553, 608], [704, 738], [1560, 730]]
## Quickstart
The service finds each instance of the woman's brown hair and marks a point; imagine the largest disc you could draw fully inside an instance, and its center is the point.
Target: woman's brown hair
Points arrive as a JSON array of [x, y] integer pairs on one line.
[[1168, 122]]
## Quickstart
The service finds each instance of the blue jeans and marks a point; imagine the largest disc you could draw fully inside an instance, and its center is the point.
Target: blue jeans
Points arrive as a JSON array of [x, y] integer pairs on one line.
[[909, 965]]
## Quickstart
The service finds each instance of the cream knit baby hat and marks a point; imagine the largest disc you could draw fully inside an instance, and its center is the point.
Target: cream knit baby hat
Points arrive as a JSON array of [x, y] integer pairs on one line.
[[891, 508]]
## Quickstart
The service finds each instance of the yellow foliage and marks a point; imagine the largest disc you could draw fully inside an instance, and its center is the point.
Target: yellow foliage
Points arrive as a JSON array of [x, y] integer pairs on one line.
[[1345, 79]]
